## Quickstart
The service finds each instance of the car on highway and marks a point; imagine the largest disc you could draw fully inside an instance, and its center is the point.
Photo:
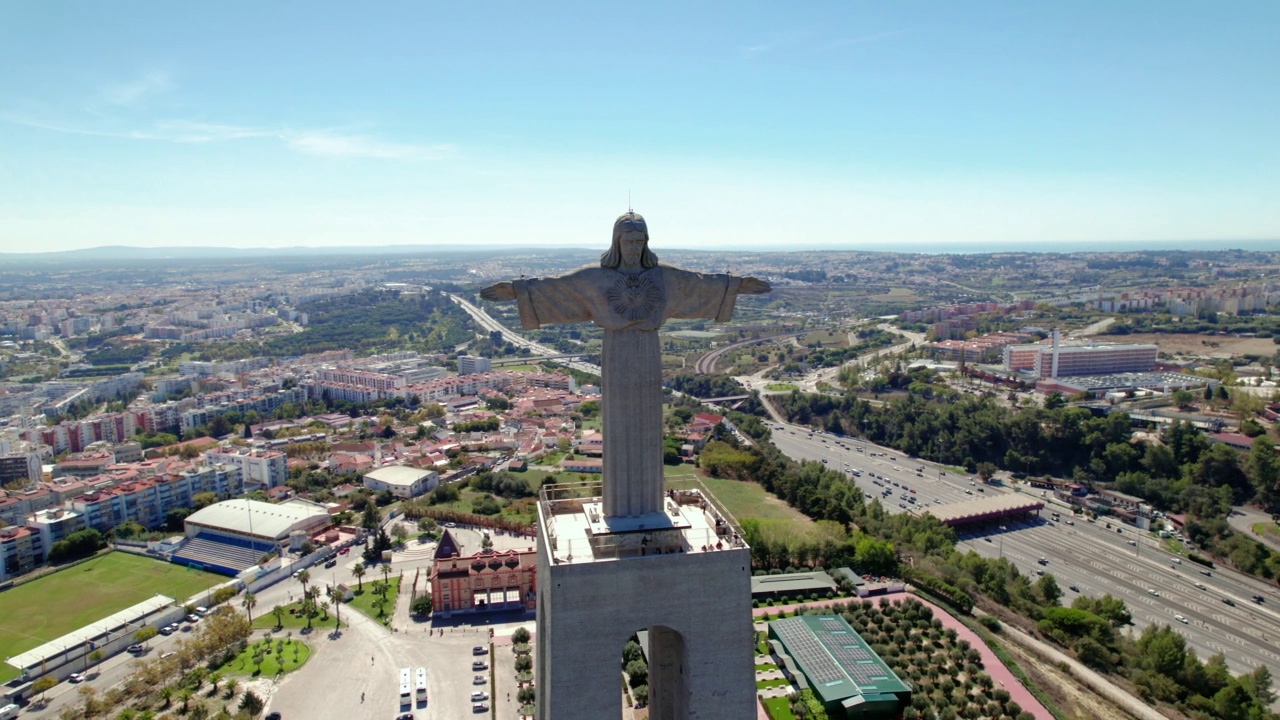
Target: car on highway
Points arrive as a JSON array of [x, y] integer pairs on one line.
[[135, 650], [1073, 588], [1133, 542], [1153, 592], [1258, 599], [937, 501], [1180, 619], [1177, 561], [1200, 585], [1229, 601]]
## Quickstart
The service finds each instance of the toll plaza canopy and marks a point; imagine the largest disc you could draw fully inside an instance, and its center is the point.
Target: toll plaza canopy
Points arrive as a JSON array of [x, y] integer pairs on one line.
[[986, 509]]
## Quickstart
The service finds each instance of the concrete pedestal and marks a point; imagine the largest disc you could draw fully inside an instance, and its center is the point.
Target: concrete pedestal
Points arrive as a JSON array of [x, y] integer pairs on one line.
[[697, 608]]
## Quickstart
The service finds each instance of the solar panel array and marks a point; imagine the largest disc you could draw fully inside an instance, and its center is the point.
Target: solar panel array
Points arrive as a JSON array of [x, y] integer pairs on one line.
[[807, 651], [846, 647]]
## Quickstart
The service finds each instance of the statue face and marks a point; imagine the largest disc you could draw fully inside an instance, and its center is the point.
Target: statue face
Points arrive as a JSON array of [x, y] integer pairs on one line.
[[632, 243]]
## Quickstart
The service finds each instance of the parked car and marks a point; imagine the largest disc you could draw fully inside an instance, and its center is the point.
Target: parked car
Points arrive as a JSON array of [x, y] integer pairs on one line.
[[479, 665], [479, 680], [479, 696], [136, 649], [479, 650], [479, 708], [75, 677], [272, 716]]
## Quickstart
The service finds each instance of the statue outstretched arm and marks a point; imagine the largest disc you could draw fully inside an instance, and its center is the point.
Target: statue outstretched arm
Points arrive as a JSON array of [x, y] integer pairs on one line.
[[504, 291], [754, 286]]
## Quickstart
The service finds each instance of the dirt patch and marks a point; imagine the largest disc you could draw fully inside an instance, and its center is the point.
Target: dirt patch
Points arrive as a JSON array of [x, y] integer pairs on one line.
[[1189, 345], [1071, 697]]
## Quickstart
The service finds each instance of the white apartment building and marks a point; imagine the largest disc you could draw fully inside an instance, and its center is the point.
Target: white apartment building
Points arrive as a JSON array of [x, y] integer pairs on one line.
[[259, 469], [471, 364]]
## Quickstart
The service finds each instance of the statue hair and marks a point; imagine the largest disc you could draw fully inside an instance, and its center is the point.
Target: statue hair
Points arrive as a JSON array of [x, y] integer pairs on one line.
[[628, 221]]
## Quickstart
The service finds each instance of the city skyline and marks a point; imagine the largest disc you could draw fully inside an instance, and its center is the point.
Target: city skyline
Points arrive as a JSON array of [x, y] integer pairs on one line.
[[833, 127]]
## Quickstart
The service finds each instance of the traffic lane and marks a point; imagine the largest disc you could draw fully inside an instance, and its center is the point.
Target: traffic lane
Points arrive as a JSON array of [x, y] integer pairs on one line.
[[1236, 632]]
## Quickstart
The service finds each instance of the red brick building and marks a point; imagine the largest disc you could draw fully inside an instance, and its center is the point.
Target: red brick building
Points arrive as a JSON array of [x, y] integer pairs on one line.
[[490, 580]]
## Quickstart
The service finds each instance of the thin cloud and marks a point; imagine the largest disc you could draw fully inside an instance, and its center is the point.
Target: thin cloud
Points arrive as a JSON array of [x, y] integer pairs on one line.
[[769, 46], [129, 94], [324, 143], [860, 40], [333, 144]]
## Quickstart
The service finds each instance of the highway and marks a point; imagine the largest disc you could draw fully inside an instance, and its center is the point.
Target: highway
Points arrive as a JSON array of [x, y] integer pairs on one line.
[[486, 321], [1156, 585]]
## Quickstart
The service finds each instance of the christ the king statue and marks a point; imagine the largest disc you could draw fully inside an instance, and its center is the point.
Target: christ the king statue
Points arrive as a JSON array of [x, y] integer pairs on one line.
[[630, 295]]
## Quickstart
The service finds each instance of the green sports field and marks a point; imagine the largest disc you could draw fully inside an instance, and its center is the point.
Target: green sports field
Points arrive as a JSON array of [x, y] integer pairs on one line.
[[34, 613]]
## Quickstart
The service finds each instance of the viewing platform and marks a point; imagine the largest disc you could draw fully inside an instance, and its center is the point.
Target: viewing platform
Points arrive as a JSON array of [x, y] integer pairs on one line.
[[576, 530]]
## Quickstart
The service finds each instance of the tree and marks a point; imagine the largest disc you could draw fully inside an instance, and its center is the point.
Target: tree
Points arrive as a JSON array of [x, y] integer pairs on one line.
[[248, 602], [94, 657], [986, 471], [144, 634], [372, 517], [251, 704], [1047, 588], [637, 673], [1182, 398], [399, 532], [359, 571], [278, 611], [520, 636], [641, 695], [43, 685], [1263, 469], [421, 605]]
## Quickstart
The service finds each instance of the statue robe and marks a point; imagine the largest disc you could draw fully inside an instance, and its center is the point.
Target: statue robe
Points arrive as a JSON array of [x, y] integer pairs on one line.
[[630, 306]]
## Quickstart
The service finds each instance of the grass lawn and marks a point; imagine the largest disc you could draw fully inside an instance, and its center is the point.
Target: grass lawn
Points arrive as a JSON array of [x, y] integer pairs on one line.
[[265, 620], [826, 338], [1266, 528], [365, 601], [291, 656], [749, 500], [780, 387], [36, 612], [523, 368], [780, 682], [778, 709]]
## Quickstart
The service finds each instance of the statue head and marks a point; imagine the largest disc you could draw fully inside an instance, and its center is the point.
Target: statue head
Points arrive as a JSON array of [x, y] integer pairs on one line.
[[631, 226]]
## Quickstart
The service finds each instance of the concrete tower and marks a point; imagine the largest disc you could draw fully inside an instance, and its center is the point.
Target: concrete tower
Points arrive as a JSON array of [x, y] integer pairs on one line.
[[622, 555]]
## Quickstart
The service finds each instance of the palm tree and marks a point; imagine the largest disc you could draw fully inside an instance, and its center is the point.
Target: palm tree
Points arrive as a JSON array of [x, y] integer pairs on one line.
[[278, 611], [358, 571], [336, 597], [248, 602], [185, 696], [166, 694], [304, 577], [214, 679], [232, 684]]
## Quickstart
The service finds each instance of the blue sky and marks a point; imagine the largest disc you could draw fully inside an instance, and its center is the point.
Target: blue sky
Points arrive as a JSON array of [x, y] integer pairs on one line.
[[732, 125]]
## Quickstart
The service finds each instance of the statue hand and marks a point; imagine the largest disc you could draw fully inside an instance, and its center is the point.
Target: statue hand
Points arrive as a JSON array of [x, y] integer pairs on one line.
[[753, 286], [499, 292]]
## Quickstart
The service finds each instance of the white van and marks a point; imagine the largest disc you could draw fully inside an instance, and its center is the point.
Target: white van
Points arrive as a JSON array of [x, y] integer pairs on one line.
[[8, 712]]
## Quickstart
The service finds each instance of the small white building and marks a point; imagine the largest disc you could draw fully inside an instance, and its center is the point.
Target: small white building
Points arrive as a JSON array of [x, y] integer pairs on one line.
[[401, 481]]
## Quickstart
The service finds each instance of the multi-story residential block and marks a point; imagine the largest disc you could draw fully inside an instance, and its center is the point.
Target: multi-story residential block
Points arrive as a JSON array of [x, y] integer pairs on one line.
[[54, 524], [17, 504], [20, 551], [20, 466], [259, 469], [470, 364], [147, 501], [1059, 360]]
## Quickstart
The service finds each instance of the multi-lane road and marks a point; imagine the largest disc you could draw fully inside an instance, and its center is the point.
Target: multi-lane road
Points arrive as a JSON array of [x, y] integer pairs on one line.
[[1214, 609], [486, 321]]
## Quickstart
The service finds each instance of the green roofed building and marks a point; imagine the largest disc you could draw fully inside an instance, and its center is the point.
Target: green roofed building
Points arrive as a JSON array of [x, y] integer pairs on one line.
[[823, 653]]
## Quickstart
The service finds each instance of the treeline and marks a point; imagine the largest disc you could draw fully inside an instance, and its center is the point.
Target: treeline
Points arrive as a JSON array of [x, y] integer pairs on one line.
[[707, 386], [1184, 474]]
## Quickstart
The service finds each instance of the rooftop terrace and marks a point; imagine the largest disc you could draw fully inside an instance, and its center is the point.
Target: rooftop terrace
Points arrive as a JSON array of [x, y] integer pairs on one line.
[[576, 530]]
